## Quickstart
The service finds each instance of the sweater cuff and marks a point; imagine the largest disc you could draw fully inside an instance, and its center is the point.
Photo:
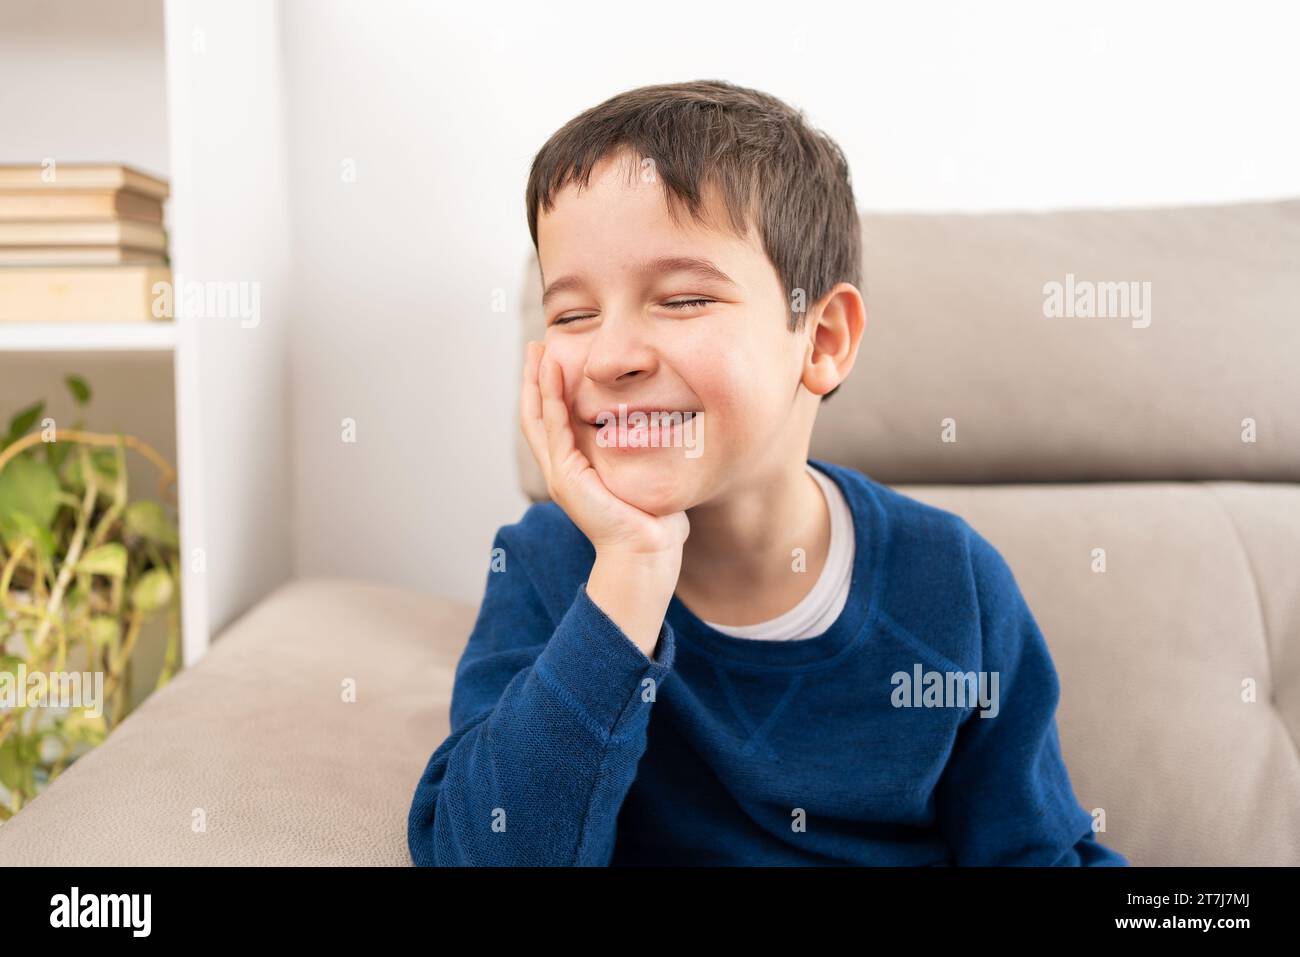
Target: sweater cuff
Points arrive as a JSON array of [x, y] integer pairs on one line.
[[599, 670]]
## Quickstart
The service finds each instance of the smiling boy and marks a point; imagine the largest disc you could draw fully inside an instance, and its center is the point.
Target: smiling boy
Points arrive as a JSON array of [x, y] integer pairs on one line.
[[697, 659]]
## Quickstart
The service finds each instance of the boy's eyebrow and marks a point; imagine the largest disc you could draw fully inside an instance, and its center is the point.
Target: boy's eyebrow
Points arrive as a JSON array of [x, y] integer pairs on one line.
[[701, 268]]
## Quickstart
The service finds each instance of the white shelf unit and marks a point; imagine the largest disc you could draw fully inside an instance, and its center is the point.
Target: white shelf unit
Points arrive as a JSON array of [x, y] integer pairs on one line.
[[227, 221], [87, 337]]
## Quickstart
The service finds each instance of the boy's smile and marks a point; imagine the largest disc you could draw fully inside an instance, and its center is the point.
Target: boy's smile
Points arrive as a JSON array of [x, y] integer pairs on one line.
[[642, 428]]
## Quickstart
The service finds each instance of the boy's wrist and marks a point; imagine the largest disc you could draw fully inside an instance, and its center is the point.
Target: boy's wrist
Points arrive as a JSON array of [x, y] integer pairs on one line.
[[661, 564], [634, 592]]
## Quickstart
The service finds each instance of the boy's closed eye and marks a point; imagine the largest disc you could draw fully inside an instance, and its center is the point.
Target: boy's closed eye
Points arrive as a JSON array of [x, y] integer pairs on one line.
[[676, 304]]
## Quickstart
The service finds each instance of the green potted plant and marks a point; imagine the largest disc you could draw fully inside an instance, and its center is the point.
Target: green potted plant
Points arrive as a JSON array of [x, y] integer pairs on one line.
[[82, 569]]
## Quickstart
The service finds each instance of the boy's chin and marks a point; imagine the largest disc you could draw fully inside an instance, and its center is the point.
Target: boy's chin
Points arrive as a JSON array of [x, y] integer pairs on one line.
[[655, 482]]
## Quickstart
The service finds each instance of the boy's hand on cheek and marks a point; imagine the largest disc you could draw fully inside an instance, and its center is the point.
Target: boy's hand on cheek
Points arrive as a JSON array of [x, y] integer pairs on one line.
[[612, 525], [638, 555]]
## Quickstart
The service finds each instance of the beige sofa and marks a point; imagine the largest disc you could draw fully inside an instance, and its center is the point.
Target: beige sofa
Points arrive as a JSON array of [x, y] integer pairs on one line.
[[1073, 434]]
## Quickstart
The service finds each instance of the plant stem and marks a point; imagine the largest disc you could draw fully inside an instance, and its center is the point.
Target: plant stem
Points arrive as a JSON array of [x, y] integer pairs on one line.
[[168, 477], [73, 556], [10, 566], [121, 661], [119, 501]]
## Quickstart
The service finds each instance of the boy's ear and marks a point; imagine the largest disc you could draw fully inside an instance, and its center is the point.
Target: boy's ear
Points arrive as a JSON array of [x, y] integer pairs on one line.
[[834, 329]]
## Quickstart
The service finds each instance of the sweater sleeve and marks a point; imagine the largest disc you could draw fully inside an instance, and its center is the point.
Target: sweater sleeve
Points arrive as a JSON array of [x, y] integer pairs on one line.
[[1005, 796], [548, 723]]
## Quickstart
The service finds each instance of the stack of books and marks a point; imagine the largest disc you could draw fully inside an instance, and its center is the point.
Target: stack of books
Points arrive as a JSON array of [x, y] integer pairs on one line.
[[82, 243]]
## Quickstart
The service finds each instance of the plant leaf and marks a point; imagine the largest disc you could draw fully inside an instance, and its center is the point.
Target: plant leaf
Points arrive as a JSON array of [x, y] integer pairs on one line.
[[31, 487], [19, 525], [108, 559], [153, 591], [23, 420], [11, 768], [104, 630], [150, 521], [79, 389], [104, 462]]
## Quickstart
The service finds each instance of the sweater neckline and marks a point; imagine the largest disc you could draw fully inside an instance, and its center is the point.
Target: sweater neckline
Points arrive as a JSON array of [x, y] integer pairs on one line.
[[869, 535], [818, 609]]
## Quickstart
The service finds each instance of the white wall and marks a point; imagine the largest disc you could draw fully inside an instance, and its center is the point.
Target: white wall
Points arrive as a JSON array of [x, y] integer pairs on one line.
[[54, 100], [441, 107]]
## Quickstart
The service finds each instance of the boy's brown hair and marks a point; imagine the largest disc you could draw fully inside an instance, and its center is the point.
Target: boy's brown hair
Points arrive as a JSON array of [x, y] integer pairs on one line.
[[771, 167]]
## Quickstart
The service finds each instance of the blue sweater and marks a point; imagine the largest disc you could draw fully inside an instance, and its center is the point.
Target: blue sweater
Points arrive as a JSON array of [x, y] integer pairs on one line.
[[569, 746]]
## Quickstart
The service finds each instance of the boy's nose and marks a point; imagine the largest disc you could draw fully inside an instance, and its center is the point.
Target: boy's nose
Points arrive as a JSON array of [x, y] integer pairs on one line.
[[618, 353]]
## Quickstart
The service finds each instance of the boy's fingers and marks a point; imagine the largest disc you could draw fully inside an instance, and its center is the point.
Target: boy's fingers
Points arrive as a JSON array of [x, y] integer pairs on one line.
[[555, 414], [530, 410], [529, 401]]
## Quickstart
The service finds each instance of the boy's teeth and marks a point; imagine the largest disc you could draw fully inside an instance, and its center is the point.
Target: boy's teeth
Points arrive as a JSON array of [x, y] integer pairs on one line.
[[686, 416]]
